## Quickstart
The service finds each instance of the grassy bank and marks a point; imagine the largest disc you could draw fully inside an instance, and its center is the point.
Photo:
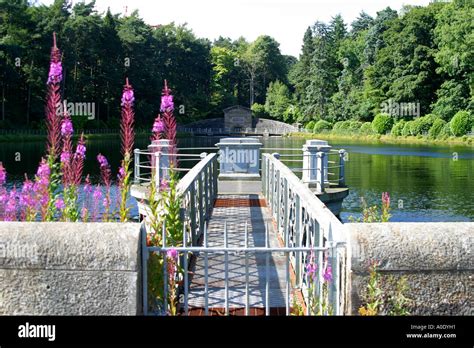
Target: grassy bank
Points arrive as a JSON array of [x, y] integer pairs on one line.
[[388, 139]]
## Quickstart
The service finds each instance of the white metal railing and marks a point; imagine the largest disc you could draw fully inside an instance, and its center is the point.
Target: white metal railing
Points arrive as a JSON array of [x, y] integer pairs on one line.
[[246, 252], [303, 221], [198, 190]]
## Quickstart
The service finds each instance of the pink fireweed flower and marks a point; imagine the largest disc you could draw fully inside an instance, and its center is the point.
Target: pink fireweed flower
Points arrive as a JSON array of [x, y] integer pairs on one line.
[[127, 96], [26, 196], [11, 206], [3, 175], [386, 199], [172, 254], [97, 194], [81, 150], [66, 127], [327, 274], [102, 160], [164, 185], [167, 104], [311, 267], [158, 126], [87, 186], [59, 204], [127, 133], [121, 173], [65, 157], [53, 99], [55, 74], [43, 170]]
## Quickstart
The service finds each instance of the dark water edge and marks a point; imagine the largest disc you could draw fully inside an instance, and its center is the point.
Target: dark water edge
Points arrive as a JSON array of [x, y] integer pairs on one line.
[[426, 183]]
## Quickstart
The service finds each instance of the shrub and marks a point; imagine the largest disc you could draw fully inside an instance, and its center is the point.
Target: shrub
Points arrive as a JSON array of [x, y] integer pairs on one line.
[[322, 126], [354, 126], [341, 127], [423, 124], [407, 128], [398, 128], [461, 123], [258, 110], [366, 128], [436, 128], [310, 125], [445, 131], [382, 123]]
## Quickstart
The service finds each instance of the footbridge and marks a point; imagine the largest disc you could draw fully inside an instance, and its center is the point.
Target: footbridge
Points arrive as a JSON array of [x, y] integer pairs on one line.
[[257, 238]]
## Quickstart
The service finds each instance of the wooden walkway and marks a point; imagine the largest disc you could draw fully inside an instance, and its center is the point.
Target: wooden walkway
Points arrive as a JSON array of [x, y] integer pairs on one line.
[[235, 210]]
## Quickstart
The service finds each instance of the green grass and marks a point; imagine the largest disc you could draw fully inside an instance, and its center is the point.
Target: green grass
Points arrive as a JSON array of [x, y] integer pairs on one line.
[[388, 139]]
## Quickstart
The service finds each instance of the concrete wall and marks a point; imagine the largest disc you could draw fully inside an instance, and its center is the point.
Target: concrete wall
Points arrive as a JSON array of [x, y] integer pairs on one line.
[[435, 258], [70, 268]]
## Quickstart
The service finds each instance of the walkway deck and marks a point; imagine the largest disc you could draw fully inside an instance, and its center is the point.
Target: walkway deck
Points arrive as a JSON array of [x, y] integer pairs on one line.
[[235, 210]]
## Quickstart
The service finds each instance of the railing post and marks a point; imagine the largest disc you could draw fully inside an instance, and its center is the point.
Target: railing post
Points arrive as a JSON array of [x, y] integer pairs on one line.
[[192, 212], [342, 174], [157, 169], [320, 174], [297, 240], [200, 204], [136, 178]]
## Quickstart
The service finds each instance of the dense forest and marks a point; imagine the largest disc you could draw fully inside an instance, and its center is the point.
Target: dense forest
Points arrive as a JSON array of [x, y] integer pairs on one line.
[[419, 55]]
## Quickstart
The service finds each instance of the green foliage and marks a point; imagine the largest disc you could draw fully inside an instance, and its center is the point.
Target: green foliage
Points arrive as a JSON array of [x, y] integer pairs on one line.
[[292, 114], [445, 131], [310, 125], [382, 123], [380, 299], [366, 128], [436, 128], [354, 126], [461, 123], [373, 297], [398, 128], [406, 131], [422, 125], [278, 100], [258, 110], [342, 127], [322, 126]]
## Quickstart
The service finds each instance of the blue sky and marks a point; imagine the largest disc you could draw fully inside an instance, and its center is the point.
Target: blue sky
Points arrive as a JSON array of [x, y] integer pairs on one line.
[[285, 20]]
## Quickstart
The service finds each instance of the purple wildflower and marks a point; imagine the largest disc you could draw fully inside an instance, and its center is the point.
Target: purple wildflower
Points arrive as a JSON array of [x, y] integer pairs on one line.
[[43, 170], [55, 72], [87, 185], [164, 185], [158, 126], [97, 193], [81, 150], [65, 157], [3, 174], [167, 104], [102, 161], [172, 254], [127, 96], [327, 274], [59, 204], [66, 127]]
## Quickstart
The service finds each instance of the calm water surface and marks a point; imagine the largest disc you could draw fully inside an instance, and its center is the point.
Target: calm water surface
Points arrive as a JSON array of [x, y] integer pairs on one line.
[[426, 183]]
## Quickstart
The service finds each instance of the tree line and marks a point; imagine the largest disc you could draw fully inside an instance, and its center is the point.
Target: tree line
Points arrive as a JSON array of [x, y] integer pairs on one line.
[[421, 55]]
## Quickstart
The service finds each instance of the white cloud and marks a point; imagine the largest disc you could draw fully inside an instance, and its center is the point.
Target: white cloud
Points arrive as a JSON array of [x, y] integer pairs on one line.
[[285, 20]]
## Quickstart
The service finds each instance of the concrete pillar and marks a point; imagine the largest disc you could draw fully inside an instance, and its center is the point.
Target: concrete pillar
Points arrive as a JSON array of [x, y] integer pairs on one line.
[[239, 158], [160, 159], [310, 163]]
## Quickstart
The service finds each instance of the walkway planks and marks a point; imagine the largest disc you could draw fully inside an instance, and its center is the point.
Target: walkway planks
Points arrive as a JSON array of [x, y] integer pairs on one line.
[[235, 210]]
